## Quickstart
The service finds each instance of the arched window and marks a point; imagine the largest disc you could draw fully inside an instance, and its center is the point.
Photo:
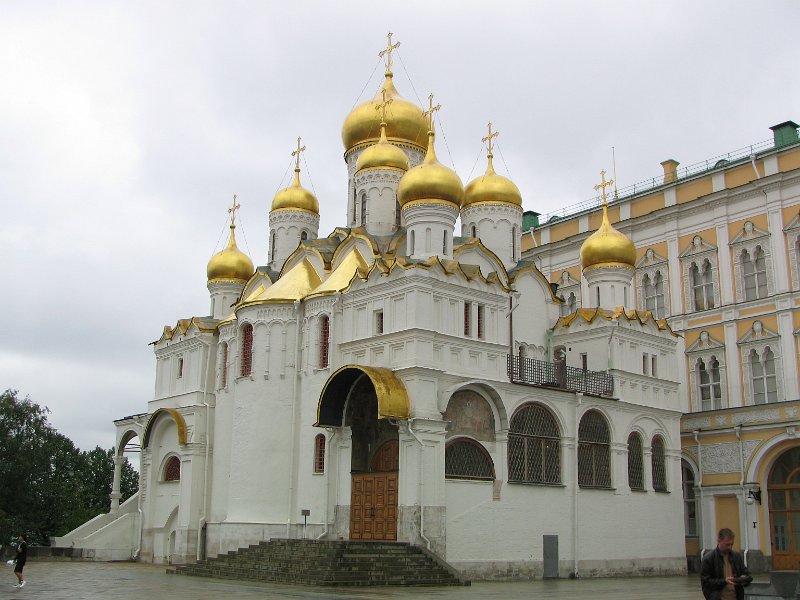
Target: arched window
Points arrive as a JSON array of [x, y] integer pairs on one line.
[[689, 501], [397, 212], [754, 271], [658, 460], [635, 462], [765, 382], [172, 469], [564, 306], [246, 361], [654, 294], [708, 377], [594, 451], [353, 220], [272, 247], [534, 446], [411, 243], [223, 368], [514, 243], [474, 231], [467, 459], [324, 340], [319, 453], [363, 209], [572, 303], [444, 243], [702, 285], [304, 236]]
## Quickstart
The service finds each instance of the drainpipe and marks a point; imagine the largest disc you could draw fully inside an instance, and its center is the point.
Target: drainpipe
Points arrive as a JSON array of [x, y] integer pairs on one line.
[[201, 551], [743, 518], [421, 488], [578, 398], [296, 404], [328, 447], [753, 162], [139, 507], [696, 433]]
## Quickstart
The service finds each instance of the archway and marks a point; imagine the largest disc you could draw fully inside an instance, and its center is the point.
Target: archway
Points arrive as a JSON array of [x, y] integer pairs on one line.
[[783, 488], [368, 400]]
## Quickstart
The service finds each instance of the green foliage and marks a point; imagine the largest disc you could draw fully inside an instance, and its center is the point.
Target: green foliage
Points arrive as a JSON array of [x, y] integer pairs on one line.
[[47, 485]]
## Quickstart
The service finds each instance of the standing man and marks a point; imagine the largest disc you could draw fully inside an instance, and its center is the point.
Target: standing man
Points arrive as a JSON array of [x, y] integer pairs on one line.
[[723, 575], [22, 556]]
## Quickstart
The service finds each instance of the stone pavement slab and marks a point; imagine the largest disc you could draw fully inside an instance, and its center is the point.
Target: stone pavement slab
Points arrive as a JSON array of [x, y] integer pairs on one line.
[[129, 581]]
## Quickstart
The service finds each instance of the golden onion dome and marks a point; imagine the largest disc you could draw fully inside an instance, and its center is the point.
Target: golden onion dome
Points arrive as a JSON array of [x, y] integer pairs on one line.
[[231, 263], [607, 246], [382, 155], [404, 121], [296, 197], [430, 180], [492, 187]]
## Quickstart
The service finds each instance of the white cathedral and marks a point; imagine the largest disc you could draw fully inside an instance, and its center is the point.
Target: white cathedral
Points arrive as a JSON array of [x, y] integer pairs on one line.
[[400, 380]]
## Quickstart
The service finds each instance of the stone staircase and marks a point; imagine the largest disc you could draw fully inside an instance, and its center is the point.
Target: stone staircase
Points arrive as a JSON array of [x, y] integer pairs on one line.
[[329, 563]]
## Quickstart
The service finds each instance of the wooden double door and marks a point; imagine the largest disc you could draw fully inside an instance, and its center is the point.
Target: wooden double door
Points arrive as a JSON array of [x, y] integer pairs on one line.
[[373, 499]]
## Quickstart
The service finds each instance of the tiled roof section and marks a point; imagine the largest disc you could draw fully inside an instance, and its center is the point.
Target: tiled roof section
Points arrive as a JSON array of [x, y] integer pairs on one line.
[[589, 315], [204, 324]]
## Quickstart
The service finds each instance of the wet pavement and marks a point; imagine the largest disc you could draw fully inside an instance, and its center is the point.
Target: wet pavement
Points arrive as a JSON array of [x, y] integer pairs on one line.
[[117, 581]]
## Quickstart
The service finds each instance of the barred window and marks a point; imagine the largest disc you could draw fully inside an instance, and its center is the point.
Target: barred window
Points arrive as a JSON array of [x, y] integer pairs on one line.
[[223, 375], [467, 459], [319, 453], [534, 446], [481, 320], [635, 462], [247, 350], [172, 470], [594, 451], [324, 340], [467, 319], [657, 458], [689, 500]]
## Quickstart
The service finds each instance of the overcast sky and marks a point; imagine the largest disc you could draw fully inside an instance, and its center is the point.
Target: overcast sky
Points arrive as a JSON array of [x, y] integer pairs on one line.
[[126, 127]]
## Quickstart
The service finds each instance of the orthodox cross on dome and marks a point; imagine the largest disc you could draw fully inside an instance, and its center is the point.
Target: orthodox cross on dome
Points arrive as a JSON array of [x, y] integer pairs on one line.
[[387, 52], [382, 106], [428, 114], [296, 155], [603, 185], [488, 139], [232, 210]]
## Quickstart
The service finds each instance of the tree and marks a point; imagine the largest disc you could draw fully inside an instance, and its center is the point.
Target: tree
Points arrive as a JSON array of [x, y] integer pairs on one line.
[[47, 485]]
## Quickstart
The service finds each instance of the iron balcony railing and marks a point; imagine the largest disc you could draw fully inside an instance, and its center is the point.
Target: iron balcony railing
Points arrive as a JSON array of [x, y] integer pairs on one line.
[[559, 375]]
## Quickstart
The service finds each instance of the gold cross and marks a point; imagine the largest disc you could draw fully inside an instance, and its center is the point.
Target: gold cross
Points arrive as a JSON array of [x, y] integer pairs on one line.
[[429, 113], [602, 186], [296, 154], [388, 53], [488, 138], [232, 210], [382, 106]]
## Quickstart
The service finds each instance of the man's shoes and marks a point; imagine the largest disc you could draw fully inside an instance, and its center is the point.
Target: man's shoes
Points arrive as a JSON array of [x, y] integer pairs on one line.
[[16, 585], [22, 585]]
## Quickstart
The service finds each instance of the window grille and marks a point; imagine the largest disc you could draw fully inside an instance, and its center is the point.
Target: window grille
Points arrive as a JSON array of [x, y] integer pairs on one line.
[[635, 462], [481, 319], [467, 459], [247, 350], [689, 501], [319, 453], [172, 470], [378, 322], [594, 451], [534, 446], [324, 340], [710, 385], [657, 459], [224, 370], [765, 382], [467, 318]]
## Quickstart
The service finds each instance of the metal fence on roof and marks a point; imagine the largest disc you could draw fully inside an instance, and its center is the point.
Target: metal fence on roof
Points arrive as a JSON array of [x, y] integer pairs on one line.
[[705, 166]]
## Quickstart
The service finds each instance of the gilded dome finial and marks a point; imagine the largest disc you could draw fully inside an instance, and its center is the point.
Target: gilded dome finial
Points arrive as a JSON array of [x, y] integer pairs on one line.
[[232, 211], [230, 263], [387, 52], [488, 139], [296, 155], [383, 154], [607, 245], [296, 196]]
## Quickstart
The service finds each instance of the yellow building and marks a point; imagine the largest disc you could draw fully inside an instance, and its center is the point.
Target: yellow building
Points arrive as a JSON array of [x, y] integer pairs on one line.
[[718, 256]]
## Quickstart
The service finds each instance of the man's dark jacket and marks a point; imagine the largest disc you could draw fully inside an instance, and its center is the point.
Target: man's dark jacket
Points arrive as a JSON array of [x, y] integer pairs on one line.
[[712, 574]]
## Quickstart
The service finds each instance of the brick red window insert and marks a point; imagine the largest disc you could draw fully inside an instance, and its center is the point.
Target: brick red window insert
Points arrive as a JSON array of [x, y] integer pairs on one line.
[[481, 319], [247, 350], [324, 339], [467, 318], [172, 470], [224, 373], [319, 454]]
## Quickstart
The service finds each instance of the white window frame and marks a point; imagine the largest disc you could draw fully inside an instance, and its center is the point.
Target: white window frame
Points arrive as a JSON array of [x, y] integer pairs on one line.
[[650, 264], [706, 348], [567, 286], [749, 238], [696, 254], [758, 338]]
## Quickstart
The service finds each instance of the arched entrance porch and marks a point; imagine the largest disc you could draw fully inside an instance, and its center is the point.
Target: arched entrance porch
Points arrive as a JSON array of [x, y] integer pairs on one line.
[[368, 402]]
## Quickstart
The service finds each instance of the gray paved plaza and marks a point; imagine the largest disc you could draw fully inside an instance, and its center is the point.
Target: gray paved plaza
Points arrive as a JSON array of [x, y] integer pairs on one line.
[[116, 581]]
